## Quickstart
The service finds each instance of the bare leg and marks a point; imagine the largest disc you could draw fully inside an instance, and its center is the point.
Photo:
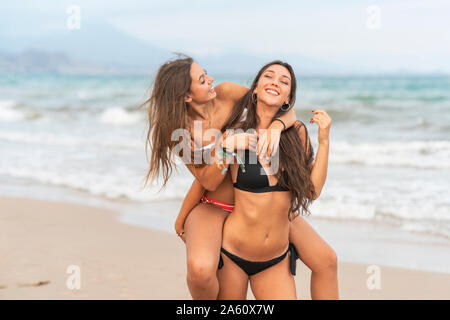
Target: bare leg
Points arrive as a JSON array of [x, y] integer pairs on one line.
[[318, 256], [233, 281], [203, 230], [274, 283]]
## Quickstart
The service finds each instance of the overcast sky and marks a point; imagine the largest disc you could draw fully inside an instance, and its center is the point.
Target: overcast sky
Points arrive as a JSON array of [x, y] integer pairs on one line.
[[407, 32]]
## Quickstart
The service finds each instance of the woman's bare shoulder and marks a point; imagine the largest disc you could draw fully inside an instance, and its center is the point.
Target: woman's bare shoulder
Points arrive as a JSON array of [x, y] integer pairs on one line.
[[228, 90]]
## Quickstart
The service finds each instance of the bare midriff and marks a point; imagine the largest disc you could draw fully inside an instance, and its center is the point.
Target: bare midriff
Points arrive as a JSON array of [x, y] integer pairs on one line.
[[258, 228]]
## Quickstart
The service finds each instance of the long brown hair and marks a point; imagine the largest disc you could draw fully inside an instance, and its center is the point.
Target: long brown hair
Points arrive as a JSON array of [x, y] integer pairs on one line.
[[166, 113], [293, 158]]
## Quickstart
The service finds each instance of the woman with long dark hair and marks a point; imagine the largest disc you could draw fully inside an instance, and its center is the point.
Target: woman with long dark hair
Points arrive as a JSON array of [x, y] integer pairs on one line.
[[183, 93], [269, 194]]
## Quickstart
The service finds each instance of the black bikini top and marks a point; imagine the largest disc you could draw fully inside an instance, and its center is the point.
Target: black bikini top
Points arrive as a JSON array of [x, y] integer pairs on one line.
[[254, 179]]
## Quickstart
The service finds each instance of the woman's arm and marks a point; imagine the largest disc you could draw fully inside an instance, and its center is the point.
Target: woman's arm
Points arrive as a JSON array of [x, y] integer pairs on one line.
[[190, 201], [319, 171], [270, 138], [233, 92], [320, 166], [288, 117], [211, 175]]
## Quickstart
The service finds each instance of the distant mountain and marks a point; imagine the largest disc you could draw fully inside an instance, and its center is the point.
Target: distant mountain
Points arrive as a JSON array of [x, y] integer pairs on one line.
[[37, 61], [95, 49], [100, 45], [102, 48]]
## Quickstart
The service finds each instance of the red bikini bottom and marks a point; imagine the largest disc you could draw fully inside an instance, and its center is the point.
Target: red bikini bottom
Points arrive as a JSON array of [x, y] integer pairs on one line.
[[222, 205]]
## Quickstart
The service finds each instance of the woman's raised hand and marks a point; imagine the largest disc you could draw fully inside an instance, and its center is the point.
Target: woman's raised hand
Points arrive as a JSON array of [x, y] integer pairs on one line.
[[323, 120]]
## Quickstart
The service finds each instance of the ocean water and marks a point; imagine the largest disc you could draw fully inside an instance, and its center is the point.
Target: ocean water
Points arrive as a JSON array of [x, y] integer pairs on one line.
[[389, 156]]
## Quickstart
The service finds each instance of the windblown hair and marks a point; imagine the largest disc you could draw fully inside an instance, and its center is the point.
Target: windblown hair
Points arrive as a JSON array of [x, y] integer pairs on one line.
[[293, 157], [167, 112]]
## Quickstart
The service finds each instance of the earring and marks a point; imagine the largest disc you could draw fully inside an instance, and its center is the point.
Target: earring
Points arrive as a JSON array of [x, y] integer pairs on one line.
[[254, 98], [285, 107]]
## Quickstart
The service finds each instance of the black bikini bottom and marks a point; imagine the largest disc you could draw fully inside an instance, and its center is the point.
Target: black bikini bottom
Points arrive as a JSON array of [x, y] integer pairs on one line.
[[253, 267]]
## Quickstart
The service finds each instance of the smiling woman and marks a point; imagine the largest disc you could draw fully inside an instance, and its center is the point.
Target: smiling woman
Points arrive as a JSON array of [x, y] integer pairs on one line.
[[202, 90], [256, 240], [276, 84]]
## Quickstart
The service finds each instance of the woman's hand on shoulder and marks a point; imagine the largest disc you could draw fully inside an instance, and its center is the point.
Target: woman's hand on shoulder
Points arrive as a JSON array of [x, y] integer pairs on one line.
[[240, 141], [268, 142]]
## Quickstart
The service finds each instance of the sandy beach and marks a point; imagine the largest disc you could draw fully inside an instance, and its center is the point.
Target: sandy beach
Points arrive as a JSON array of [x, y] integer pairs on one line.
[[40, 240]]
